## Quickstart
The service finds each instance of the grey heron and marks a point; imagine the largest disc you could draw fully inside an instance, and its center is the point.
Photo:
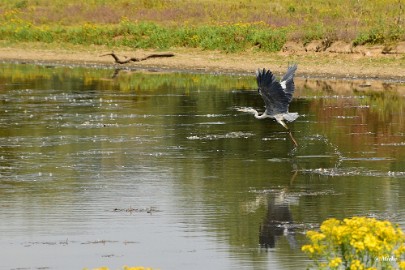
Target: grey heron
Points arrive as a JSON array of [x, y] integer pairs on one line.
[[277, 96]]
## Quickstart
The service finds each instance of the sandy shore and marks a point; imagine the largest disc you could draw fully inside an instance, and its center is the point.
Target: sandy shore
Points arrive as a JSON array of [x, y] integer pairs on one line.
[[386, 67]]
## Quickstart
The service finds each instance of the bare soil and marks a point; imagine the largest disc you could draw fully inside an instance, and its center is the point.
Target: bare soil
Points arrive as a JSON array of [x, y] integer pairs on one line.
[[338, 61]]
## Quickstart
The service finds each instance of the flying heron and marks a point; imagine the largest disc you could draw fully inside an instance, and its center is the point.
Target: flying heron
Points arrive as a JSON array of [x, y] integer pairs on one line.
[[277, 96]]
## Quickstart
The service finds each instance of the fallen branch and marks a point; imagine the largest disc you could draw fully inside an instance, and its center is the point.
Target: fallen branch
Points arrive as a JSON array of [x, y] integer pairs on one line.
[[134, 59]]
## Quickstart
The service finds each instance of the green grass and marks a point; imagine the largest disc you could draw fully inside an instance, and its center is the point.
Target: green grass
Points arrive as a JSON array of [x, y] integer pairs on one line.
[[229, 26]]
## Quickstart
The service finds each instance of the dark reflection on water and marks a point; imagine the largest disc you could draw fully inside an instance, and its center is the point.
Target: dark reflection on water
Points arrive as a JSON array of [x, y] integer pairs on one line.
[[161, 170], [276, 224]]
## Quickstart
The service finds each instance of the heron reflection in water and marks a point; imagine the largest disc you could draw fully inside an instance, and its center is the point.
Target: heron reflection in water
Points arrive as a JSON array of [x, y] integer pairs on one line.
[[277, 96], [277, 223]]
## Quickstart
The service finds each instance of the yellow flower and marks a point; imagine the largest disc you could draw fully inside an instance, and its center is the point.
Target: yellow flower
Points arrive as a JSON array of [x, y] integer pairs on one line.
[[402, 265], [136, 268], [315, 236], [356, 239], [328, 224], [400, 250], [308, 248], [359, 245], [335, 262], [370, 241], [400, 232], [356, 265]]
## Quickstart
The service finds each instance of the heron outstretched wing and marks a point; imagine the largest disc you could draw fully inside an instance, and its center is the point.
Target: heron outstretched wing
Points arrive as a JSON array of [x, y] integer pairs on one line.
[[288, 81], [272, 92]]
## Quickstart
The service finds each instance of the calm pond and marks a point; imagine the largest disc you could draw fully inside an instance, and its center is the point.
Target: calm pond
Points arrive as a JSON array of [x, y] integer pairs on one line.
[[104, 168]]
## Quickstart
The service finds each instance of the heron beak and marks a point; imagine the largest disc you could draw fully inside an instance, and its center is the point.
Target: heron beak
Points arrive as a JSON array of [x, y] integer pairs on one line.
[[281, 122], [244, 109]]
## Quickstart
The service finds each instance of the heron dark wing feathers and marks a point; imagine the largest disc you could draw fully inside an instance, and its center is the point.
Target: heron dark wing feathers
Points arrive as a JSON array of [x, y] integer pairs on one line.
[[263, 77], [289, 81], [272, 92], [289, 91], [289, 75]]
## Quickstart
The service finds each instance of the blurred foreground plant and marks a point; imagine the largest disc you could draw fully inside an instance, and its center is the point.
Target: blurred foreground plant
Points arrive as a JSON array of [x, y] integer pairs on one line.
[[356, 243]]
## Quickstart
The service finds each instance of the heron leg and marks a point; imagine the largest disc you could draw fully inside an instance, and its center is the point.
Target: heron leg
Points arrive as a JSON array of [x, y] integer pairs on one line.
[[289, 131], [292, 138]]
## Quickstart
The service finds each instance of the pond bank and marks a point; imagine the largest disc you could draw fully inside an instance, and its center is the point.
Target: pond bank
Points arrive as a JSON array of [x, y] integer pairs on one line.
[[357, 65]]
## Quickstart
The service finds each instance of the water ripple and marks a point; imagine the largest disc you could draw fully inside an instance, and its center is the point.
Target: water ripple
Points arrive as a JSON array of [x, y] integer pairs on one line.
[[358, 171], [230, 135]]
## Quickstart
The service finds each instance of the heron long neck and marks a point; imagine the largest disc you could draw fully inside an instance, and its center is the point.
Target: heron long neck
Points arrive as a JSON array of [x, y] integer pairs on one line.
[[264, 115]]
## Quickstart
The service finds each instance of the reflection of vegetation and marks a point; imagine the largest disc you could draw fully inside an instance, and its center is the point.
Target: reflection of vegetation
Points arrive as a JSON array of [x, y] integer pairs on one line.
[[357, 243], [386, 104], [370, 114], [88, 78]]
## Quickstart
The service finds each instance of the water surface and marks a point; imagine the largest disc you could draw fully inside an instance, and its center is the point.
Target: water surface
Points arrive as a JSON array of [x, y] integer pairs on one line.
[[160, 169]]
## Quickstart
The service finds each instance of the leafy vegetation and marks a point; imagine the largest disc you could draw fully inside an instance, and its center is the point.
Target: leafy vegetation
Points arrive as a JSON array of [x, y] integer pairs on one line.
[[226, 37], [357, 243], [213, 25]]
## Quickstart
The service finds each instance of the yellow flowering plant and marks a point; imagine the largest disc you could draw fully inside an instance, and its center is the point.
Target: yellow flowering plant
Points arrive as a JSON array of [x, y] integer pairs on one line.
[[356, 243]]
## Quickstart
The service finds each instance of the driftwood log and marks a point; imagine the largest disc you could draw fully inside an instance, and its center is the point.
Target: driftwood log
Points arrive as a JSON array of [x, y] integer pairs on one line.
[[135, 59]]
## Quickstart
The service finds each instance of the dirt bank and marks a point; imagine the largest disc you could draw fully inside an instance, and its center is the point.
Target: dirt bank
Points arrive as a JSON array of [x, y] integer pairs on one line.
[[366, 62]]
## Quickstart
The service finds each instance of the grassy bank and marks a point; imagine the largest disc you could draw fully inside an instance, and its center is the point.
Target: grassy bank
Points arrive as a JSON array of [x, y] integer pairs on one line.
[[212, 25]]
